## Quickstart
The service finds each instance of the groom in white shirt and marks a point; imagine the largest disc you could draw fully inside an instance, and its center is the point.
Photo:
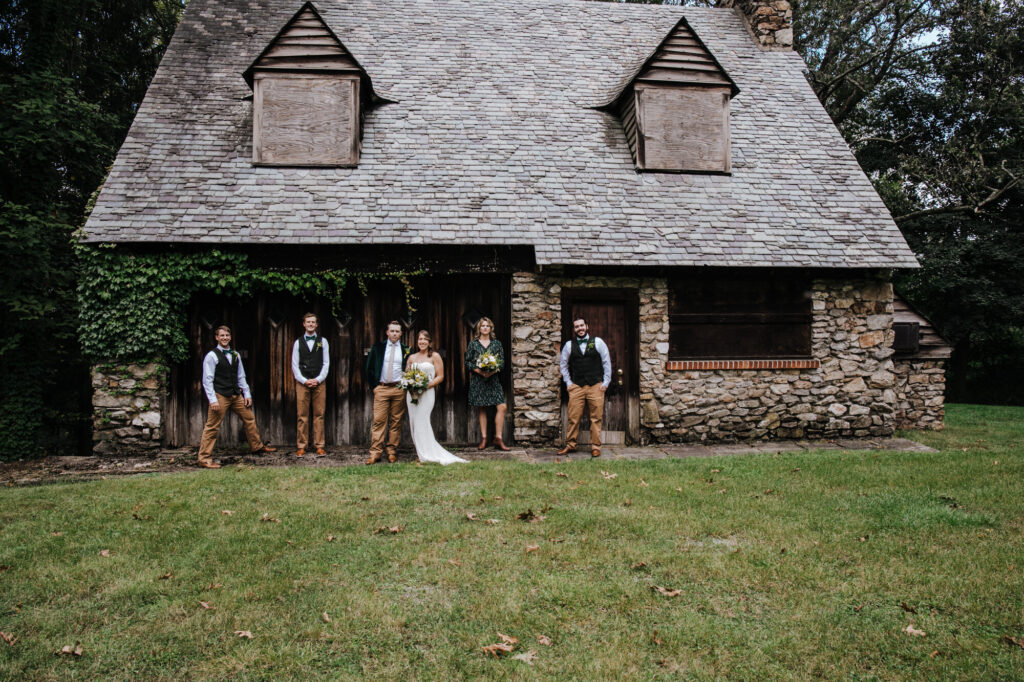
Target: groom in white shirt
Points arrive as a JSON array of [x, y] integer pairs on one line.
[[311, 359], [384, 366]]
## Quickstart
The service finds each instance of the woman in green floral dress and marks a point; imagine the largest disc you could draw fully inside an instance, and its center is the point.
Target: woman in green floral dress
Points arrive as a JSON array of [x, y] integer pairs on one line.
[[485, 384]]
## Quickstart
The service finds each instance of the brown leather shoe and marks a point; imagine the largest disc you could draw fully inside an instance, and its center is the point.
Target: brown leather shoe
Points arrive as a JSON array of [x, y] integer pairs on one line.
[[209, 465], [483, 443], [300, 453], [373, 459], [392, 458], [566, 450], [595, 452], [501, 444], [320, 452], [264, 450]]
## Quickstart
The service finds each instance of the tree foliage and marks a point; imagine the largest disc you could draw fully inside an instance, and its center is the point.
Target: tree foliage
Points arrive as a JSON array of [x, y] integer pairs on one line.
[[72, 73]]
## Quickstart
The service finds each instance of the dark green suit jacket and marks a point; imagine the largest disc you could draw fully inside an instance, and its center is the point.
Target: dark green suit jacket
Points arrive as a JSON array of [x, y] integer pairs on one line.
[[375, 362]]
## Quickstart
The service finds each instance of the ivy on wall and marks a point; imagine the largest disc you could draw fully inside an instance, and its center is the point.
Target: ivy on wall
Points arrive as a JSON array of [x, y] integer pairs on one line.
[[133, 306]]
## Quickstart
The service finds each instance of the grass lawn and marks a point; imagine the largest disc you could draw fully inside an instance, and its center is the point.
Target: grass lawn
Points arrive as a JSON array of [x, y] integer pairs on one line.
[[795, 565]]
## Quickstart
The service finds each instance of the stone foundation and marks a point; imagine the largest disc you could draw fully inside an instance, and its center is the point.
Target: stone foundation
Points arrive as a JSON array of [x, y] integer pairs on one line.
[[920, 387], [851, 393], [127, 408]]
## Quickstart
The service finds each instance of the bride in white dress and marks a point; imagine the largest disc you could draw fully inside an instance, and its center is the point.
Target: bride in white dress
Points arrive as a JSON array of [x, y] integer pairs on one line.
[[427, 447]]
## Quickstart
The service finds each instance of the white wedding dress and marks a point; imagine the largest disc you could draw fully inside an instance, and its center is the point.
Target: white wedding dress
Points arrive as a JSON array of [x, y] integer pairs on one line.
[[427, 447]]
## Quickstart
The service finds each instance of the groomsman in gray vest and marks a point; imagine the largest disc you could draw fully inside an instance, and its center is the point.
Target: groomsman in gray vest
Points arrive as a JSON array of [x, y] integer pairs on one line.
[[586, 367], [226, 388], [311, 359]]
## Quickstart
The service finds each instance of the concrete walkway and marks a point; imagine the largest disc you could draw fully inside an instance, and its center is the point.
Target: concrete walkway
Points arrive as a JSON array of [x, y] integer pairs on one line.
[[63, 469]]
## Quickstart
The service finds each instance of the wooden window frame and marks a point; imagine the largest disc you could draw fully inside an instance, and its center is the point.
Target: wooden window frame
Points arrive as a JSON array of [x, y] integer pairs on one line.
[[257, 119], [792, 317], [685, 165]]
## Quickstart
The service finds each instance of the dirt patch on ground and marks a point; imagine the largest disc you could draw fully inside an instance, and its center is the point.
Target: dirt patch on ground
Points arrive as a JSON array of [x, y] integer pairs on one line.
[[66, 469]]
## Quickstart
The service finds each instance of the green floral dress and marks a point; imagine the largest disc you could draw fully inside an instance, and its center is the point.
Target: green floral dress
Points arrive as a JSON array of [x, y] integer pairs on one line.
[[483, 392]]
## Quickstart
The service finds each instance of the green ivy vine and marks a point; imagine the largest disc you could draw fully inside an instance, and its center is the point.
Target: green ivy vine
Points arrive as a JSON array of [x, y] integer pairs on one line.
[[133, 306]]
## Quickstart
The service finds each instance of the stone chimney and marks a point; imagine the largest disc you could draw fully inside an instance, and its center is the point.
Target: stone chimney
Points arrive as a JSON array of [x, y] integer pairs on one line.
[[771, 21]]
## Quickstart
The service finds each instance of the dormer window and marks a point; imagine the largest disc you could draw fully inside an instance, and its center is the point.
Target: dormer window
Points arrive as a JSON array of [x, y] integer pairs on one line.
[[309, 95], [675, 111]]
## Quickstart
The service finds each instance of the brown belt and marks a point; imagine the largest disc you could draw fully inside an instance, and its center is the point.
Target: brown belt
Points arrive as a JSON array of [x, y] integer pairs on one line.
[[388, 383]]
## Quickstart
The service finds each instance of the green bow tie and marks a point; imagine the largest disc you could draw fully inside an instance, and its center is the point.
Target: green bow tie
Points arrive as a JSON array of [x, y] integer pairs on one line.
[[310, 338]]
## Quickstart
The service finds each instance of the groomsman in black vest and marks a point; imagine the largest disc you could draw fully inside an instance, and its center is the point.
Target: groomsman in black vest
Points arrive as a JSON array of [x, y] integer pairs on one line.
[[310, 361], [586, 367], [226, 389]]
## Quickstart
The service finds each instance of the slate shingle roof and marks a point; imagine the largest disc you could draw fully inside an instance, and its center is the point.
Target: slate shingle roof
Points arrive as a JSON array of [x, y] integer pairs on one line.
[[494, 137]]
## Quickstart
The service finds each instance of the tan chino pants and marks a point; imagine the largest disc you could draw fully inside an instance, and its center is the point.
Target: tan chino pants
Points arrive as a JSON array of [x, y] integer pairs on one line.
[[388, 406], [304, 396], [580, 397], [214, 418]]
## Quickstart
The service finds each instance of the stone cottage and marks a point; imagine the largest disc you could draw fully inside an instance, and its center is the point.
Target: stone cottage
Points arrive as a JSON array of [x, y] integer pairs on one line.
[[665, 172]]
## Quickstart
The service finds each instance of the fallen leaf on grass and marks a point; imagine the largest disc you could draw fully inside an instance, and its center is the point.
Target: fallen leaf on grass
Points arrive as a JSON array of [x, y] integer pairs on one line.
[[665, 591], [206, 606], [716, 471], [532, 548], [69, 650], [214, 586], [226, 512], [8, 637], [608, 475], [911, 630], [679, 490], [655, 639], [244, 634], [330, 538], [5, 567], [527, 657], [1013, 641], [471, 516], [166, 576], [544, 639], [267, 518], [906, 607], [629, 501], [394, 530], [864, 538], [57, 534], [933, 654], [497, 650], [638, 565], [491, 522], [326, 618], [643, 484], [455, 562], [858, 608], [530, 517], [104, 552], [508, 640], [562, 474]]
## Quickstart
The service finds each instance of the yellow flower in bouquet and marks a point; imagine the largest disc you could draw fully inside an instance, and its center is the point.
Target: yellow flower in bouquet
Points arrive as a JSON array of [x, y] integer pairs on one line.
[[414, 381], [487, 362]]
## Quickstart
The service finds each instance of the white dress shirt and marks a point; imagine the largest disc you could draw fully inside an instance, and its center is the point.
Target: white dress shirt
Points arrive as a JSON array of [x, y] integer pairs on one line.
[[396, 363], [599, 346], [210, 365], [295, 360]]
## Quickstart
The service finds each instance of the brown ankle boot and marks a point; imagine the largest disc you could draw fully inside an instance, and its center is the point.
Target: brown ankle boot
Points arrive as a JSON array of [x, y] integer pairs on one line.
[[483, 442], [501, 444]]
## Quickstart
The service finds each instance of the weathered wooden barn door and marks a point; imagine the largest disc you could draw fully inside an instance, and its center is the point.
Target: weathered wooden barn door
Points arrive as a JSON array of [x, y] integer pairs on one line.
[[265, 327], [612, 315]]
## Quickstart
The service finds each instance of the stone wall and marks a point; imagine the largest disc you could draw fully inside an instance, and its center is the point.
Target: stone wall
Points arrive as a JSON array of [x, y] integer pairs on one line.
[[771, 21], [127, 408], [920, 387], [850, 394]]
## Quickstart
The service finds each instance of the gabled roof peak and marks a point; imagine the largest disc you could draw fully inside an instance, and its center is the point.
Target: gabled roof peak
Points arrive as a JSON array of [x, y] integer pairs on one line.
[[683, 58], [306, 43]]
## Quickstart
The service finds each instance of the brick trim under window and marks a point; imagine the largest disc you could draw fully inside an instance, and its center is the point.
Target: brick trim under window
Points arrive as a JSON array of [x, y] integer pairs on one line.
[[691, 365]]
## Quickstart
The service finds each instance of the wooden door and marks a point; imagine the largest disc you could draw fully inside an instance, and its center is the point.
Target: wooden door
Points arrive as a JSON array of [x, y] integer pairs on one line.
[[265, 326], [611, 314]]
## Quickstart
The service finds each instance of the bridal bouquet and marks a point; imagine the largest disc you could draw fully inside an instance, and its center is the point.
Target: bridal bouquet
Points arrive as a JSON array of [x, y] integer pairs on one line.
[[414, 381], [487, 362]]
